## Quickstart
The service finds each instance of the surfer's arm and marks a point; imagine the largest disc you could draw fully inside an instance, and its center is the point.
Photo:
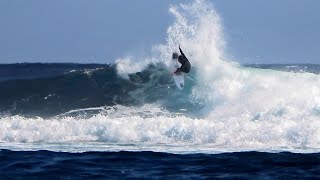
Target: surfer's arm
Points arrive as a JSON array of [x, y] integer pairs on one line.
[[182, 52]]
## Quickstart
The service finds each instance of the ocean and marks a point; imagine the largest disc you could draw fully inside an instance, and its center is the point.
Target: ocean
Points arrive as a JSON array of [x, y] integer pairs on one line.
[[128, 120], [79, 121]]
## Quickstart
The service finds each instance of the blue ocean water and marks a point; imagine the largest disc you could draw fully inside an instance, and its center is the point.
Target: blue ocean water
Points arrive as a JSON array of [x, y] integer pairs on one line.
[[153, 165], [45, 136]]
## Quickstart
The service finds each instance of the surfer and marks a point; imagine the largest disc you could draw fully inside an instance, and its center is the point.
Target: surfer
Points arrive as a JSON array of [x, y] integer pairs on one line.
[[185, 64]]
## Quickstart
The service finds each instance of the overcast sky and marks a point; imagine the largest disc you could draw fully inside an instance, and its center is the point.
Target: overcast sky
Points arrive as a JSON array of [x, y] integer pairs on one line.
[[99, 31]]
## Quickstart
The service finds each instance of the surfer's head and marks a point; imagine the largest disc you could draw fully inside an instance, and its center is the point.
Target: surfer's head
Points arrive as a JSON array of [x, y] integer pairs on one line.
[[175, 55]]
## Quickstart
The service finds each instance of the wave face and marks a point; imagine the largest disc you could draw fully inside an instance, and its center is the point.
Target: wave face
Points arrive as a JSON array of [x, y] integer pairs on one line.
[[82, 88], [134, 104]]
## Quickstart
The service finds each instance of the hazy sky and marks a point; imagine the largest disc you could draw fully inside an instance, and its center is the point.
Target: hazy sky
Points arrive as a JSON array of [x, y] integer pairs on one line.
[[85, 31]]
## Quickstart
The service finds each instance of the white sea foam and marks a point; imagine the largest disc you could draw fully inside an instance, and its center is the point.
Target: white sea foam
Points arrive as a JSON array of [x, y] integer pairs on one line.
[[143, 129], [127, 66]]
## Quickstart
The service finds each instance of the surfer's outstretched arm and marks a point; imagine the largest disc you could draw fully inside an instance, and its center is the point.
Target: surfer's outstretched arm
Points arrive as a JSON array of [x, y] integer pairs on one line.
[[182, 52]]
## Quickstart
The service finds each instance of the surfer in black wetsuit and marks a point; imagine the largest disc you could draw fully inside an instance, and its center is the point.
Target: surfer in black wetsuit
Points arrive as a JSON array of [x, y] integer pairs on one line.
[[185, 64]]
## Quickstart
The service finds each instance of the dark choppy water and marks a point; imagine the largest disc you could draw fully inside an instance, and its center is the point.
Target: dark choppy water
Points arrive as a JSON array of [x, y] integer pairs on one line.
[[153, 165]]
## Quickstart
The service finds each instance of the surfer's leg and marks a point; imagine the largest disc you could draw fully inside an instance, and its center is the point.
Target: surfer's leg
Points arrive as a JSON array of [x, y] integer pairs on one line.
[[184, 69], [178, 71]]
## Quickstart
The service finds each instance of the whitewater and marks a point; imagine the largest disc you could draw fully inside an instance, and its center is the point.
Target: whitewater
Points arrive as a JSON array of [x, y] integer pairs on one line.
[[225, 106]]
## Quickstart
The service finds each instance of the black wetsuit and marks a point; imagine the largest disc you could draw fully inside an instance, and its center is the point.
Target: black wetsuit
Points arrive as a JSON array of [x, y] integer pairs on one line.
[[185, 64]]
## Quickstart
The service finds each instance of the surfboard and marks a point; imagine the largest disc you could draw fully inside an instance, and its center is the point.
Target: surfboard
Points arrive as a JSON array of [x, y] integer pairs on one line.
[[179, 80]]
